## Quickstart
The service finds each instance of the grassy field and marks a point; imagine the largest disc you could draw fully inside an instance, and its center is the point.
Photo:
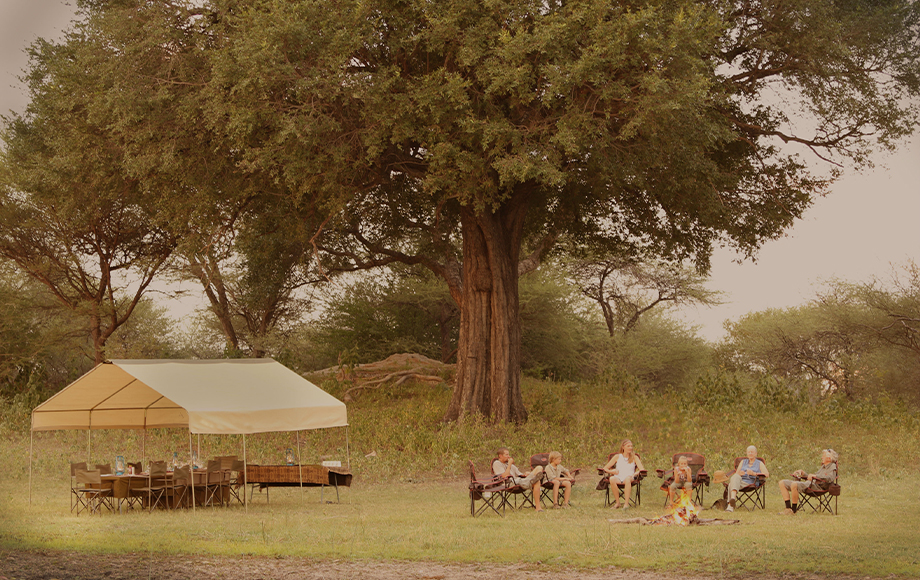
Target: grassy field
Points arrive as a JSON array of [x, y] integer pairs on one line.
[[875, 533], [409, 499]]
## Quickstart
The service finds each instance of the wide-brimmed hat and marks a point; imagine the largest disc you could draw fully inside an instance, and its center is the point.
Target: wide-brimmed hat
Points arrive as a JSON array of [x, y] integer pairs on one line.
[[719, 477]]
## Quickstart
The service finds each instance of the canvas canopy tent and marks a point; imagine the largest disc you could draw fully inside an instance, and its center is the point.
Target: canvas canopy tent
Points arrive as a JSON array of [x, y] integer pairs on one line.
[[236, 396]]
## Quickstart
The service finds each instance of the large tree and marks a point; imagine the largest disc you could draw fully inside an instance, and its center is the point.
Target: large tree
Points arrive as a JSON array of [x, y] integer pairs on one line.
[[471, 137]]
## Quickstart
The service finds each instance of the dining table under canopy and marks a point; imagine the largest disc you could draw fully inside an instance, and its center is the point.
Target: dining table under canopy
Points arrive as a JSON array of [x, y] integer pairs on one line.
[[225, 396]]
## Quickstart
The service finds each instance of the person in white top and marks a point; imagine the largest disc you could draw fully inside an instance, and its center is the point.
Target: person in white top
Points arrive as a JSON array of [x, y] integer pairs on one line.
[[622, 467]]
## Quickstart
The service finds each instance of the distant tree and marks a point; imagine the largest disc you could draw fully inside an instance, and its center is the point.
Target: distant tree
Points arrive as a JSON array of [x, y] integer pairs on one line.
[[254, 270], [42, 342], [894, 306], [70, 215], [148, 334], [812, 345], [374, 317], [627, 288], [662, 353]]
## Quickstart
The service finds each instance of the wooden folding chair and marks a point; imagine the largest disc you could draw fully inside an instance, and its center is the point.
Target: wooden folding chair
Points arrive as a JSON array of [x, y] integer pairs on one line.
[[77, 500], [157, 486], [93, 492]]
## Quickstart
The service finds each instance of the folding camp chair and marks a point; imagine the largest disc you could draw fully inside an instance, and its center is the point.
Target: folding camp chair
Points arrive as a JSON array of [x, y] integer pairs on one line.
[[214, 483], [489, 491], [604, 485], [95, 496], [156, 489], [546, 487], [77, 501], [236, 481], [822, 500], [700, 478], [180, 487], [516, 496], [755, 494]]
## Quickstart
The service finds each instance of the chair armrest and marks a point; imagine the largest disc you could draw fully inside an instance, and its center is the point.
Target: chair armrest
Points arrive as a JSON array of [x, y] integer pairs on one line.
[[664, 474], [640, 475], [601, 472], [575, 472], [761, 477]]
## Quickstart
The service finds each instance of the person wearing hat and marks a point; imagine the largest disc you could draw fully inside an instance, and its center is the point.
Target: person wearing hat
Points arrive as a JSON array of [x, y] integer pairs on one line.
[[746, 474]]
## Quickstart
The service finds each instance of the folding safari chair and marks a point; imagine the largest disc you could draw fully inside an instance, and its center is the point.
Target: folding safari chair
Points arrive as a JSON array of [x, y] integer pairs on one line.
[[604, 485], [156, 489], [489, 491], [546, 487], [214, 483], [822, 500], [77, 500], [95, 495], [514, 496], [700, 478], [755, 494]]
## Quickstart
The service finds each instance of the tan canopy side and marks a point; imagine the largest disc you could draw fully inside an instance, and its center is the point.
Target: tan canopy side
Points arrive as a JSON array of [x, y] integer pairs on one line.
[[219, 396]]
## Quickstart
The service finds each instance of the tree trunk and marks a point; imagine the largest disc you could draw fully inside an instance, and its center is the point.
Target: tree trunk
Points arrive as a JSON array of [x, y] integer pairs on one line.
[[489, 352]]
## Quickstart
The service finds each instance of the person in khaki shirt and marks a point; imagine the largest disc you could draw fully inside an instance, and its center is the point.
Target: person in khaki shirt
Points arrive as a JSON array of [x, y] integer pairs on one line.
[[559, 476], [504, 467], [826, 475]]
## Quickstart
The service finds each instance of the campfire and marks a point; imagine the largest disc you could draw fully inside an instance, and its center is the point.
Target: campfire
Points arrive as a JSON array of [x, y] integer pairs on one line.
[[682, 513]]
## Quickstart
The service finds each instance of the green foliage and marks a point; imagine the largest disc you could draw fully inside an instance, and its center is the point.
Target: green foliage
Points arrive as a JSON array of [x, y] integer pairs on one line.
[[43, 344], [661, 353], [149, 333], [373, 318], [559, 334]]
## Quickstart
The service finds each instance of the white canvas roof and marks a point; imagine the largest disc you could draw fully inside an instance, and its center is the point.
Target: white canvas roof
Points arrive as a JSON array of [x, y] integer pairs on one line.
[[207, 396]]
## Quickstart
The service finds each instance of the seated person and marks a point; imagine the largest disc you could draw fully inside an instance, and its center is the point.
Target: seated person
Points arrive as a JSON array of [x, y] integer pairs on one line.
[[559, 476], [504, 467], [745, 475], [826, 475], [622, 467], [683, 478]]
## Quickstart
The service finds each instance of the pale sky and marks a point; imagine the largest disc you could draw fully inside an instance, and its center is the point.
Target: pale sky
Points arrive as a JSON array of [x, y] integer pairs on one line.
[[866, 225]]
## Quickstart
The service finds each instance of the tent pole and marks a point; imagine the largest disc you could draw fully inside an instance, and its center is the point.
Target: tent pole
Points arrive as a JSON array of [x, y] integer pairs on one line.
[[300, 466], [144, 446], [89, 447], [245, 474], [199, 449], [31, 435], [191, 468], [347, 451]]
